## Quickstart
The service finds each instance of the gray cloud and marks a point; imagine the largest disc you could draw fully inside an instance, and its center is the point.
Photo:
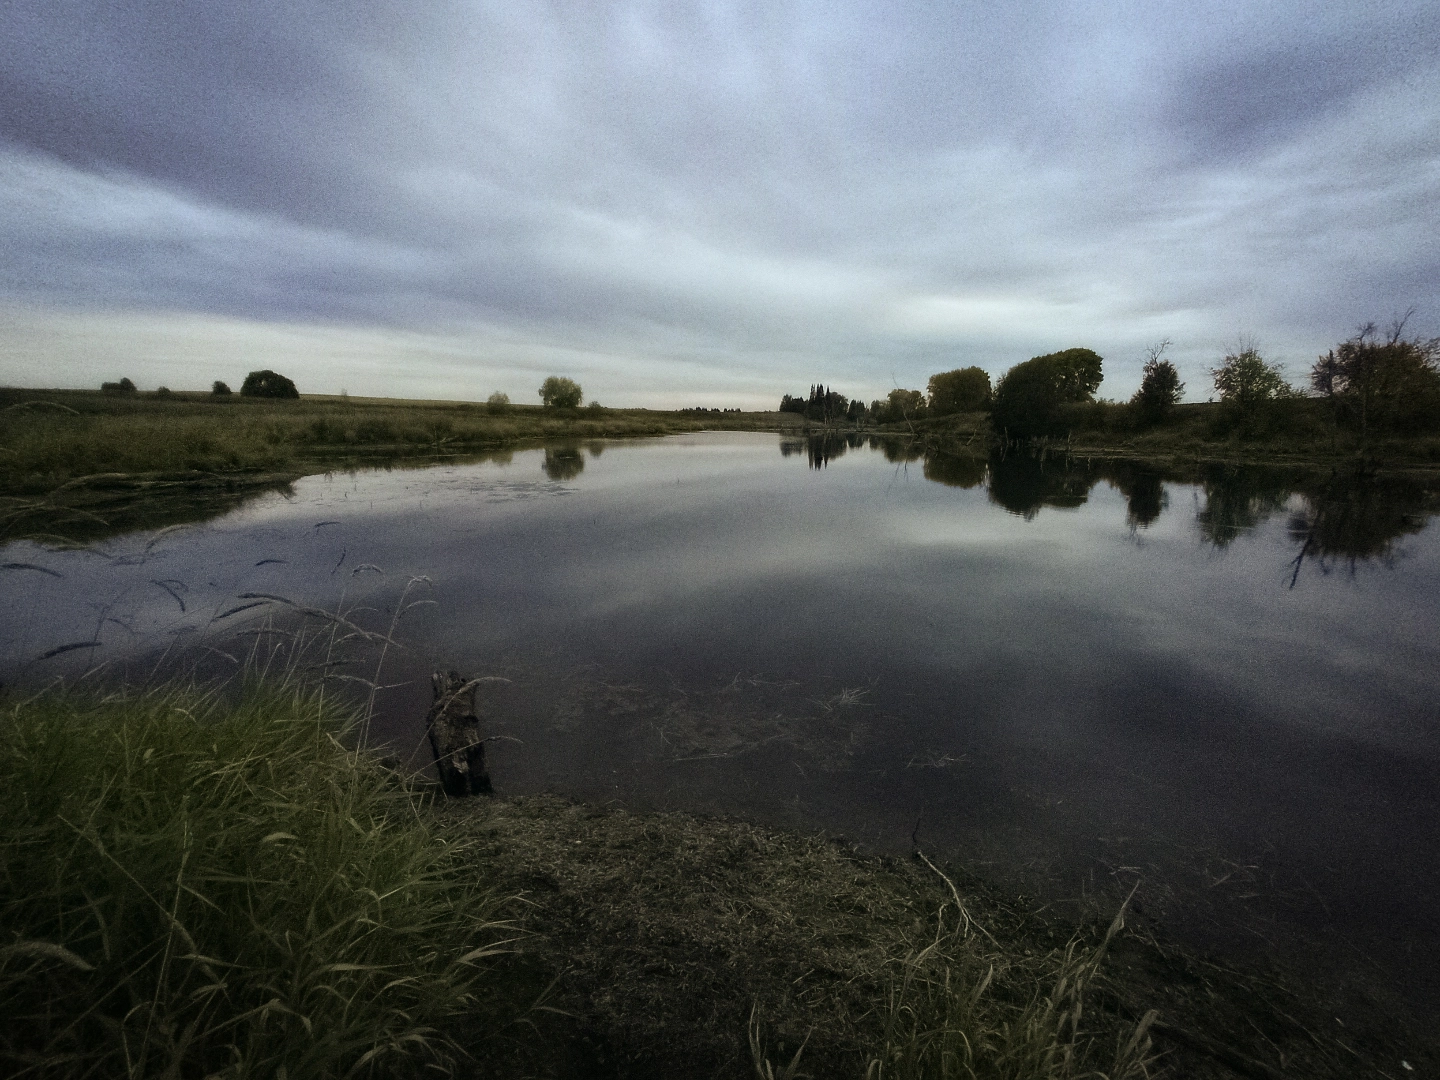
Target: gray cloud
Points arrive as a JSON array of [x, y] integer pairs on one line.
[[754, 195]]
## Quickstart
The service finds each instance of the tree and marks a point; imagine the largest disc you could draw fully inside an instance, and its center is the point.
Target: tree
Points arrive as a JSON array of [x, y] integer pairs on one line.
[[1382, 381], [124, 386], [1160, 386], [901, 407], [1077, 373], [961, 390], [220, 389], [498, 402], [1246, 381], [557, 392], [826, 405], [1027, 400], [268, 384]]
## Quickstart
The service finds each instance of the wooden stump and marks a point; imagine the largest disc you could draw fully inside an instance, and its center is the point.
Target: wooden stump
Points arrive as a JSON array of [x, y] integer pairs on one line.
[[454, 731]]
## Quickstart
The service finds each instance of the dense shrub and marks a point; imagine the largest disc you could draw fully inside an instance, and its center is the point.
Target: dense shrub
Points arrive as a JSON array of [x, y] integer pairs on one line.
[[900, 407], [268, 384]]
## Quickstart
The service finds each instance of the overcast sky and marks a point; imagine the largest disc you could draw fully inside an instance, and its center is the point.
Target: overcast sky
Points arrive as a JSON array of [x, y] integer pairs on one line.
[[704, 203]]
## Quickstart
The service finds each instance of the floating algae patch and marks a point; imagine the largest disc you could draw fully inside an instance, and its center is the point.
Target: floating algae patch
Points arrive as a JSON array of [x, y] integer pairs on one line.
[[676, 723]]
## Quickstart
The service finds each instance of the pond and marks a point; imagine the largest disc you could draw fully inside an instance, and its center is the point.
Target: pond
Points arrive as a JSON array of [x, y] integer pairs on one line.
[[1073, 675]]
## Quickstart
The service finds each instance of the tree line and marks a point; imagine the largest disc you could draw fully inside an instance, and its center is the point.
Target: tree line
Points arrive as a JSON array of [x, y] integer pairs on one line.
[[263, 384], [1373, 382]]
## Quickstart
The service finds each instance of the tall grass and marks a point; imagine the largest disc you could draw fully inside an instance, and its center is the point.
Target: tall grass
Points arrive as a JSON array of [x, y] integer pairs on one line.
[[966, 1008], [953, 1012], [195, 888]]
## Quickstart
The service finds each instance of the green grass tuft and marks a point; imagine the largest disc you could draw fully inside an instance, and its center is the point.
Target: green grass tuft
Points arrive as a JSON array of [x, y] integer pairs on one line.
[[195, 888]]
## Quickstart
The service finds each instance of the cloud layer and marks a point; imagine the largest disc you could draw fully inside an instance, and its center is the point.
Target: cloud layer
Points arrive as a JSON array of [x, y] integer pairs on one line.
[[703, 203]]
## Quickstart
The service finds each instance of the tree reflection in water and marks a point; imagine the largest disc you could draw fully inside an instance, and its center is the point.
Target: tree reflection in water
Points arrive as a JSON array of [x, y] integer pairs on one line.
[[1356, 519], [563, 462], [1238, 500], [898, 451], [1349, 518], [1144, 489], [1024, 483], [957, 469], [823, 448]]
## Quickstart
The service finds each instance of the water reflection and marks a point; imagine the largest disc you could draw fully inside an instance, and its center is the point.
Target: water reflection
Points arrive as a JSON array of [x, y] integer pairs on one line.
[[1343, 517], [958, 469], [1023, 483], [822, 448], [1238, 500], [1347, 518], [1357, 520], [564, 462], [1144, 489], [899, 451]]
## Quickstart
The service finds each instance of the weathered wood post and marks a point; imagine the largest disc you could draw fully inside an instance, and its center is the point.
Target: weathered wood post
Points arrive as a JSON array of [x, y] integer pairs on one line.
[[454, 731]]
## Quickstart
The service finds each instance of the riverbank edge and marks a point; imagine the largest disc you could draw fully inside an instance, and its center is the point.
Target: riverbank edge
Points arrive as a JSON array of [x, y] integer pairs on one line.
[[652, 944]]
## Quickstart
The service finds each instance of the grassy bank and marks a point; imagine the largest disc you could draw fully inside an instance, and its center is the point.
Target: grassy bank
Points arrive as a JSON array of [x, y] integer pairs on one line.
[[196, 887], [81, 463], [51, 437], [191, 888]]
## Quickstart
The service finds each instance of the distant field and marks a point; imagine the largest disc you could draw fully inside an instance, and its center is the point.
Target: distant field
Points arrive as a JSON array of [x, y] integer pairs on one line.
[[81, 463], [51, 437]]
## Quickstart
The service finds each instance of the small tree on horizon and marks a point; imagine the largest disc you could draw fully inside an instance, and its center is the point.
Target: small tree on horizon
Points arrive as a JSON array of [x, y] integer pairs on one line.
[[558, 392], [220, 389]]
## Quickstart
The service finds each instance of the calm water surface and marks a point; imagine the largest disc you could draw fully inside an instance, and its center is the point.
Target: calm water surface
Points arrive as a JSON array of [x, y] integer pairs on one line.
[[1075, 676]]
